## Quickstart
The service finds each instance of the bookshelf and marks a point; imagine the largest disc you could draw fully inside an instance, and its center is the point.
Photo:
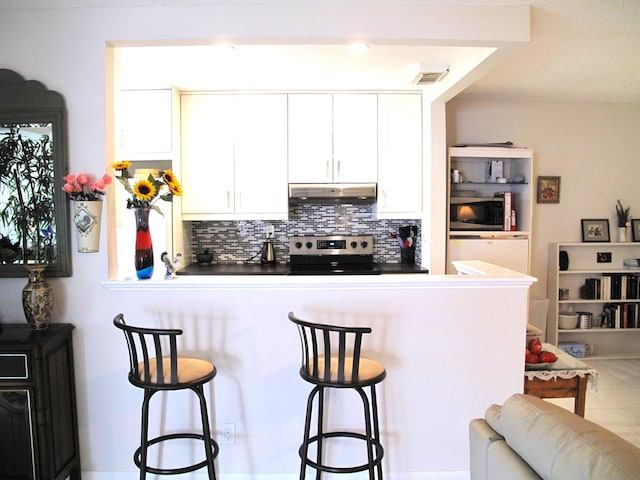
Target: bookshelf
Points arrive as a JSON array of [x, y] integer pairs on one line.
[[599, 283]]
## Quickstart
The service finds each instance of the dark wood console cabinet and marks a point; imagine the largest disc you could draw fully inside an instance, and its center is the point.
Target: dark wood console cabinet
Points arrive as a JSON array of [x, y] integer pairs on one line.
[[38, 420]]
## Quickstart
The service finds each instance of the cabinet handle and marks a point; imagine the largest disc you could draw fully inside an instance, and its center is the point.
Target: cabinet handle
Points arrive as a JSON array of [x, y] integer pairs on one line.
[[338, 176], [384, 198], [239, 199], [327, 175], [228, 199]]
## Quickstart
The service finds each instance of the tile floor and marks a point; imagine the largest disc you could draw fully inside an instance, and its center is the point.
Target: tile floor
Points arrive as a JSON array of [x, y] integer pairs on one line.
[[616, 403]]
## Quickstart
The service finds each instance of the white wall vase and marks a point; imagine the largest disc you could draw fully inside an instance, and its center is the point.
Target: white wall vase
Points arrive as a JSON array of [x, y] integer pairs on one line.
[[86, 217], [623, 235]]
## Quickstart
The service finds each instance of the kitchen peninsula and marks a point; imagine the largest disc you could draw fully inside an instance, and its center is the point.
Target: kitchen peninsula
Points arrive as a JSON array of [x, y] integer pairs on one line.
[[451, 344]]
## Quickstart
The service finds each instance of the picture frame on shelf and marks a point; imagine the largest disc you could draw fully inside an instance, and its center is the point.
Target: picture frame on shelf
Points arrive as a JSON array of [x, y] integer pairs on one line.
[[548, 190], [595, 230], [635, 229]]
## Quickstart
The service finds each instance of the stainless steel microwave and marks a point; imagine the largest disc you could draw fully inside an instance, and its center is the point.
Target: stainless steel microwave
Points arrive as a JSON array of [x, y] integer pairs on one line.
[[467, 213]]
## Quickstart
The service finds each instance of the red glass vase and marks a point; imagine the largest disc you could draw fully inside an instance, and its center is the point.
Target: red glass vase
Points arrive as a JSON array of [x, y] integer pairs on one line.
[[144, 246]]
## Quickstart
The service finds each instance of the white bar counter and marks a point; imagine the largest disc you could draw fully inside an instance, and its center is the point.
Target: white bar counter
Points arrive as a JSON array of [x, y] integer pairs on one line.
[[470, 273], [452, 345]]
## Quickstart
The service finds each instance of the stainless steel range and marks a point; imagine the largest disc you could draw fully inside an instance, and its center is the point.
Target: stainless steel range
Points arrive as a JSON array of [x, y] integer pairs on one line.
[[332, 255]]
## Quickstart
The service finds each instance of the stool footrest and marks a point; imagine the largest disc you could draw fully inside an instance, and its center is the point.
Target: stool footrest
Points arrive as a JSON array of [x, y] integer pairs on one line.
[[178, 470], [378, 453]]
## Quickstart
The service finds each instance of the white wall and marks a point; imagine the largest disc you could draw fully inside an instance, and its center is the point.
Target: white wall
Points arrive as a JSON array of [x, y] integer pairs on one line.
[[595, 148]]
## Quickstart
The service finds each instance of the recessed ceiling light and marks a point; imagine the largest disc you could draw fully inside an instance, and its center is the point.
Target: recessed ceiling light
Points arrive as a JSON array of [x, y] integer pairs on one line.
[[357, 48]]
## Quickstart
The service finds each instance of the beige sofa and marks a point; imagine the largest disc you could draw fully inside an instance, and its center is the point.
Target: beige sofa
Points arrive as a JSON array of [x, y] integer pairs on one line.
[[530, 438]]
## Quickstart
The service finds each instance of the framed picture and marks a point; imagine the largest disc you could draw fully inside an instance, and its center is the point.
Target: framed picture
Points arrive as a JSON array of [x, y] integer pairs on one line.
[[548, 189], [635, 230], [595, 230]]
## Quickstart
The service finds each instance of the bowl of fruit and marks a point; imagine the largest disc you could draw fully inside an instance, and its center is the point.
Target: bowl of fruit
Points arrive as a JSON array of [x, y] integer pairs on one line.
[[535, 358]]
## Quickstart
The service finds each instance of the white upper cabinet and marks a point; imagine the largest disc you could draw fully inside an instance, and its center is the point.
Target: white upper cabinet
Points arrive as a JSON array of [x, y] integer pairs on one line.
[[355, 134], [145, 120], [332, 138], [310, 126], [261, 154], [207, 154], [399, 154], [234, 156]]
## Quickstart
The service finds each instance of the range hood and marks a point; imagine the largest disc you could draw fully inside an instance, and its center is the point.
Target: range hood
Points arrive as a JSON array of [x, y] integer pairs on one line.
[[300, 193]]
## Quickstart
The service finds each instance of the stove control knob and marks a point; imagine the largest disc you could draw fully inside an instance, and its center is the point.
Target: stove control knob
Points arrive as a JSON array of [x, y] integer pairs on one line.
[[298, 244], [364, 244], [354, 244], [309, 245]]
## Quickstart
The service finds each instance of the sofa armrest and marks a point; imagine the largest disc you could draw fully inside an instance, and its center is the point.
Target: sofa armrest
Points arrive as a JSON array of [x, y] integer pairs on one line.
[[481, 435]]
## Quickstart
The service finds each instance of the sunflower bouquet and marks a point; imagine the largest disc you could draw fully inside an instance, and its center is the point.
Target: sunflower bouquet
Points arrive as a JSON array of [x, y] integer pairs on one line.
[[146, 191]]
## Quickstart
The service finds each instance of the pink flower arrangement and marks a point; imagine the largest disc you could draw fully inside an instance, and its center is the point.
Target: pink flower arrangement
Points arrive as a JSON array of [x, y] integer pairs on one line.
[[84, 186]]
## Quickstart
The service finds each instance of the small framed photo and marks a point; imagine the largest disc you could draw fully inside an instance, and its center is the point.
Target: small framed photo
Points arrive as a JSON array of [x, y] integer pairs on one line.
[[548, 189], [595, 230], [635, 230]]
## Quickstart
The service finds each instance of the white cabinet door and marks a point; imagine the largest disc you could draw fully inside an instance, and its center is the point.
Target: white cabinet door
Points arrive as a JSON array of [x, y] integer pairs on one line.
[[332, 138], [399, 154], [505, 252], [207, 154], [145, 119], [261, 153], [310, 138], [355, 133]]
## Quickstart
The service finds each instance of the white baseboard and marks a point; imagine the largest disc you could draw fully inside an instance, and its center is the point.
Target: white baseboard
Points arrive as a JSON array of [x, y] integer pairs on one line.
[[200, 476]]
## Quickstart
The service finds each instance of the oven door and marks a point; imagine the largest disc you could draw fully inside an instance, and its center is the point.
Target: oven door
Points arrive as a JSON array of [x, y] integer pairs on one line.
[[326, 265]]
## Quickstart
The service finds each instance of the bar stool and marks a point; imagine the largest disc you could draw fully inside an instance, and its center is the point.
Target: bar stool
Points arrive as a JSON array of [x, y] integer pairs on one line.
[[155, 370], [346, 369]]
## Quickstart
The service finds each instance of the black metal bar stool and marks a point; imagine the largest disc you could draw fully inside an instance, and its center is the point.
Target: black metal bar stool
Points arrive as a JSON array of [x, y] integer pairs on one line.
[[345, 369], [154, 369]]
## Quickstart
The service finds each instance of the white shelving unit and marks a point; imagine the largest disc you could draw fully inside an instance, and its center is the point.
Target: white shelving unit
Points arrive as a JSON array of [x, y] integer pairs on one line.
[[509, 249], [591, 260]]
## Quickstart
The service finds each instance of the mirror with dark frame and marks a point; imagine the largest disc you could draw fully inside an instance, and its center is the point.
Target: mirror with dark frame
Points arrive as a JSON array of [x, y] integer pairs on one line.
[[34, 215]]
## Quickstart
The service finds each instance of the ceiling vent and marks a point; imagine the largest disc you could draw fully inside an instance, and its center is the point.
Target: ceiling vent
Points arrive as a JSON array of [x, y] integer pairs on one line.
[[430, 74]]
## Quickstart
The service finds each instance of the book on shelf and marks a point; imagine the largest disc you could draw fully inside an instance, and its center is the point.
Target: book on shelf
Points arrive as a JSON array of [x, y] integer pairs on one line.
[[612, 286], [621, 315]]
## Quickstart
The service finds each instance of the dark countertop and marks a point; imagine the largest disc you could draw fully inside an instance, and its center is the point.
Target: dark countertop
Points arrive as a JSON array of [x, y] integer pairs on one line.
[[278, 269], [389, 268], [233, 269]]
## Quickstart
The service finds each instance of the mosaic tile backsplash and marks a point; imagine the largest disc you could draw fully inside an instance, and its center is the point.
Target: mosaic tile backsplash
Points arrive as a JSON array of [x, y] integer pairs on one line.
[[238, 241]]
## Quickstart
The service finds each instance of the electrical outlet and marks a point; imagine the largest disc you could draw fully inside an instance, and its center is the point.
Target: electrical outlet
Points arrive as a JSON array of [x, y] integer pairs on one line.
[[229, 433], [270, 230]]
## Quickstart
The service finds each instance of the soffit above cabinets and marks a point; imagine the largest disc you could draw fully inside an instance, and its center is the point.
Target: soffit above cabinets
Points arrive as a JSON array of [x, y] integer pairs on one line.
[[294, 67]]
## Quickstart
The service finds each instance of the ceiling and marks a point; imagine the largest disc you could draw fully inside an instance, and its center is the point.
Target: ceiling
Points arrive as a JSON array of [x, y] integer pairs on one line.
[[580, 50]]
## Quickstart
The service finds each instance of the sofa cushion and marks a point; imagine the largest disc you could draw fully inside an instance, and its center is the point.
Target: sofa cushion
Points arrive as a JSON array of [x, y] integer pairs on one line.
[[560, 445]]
